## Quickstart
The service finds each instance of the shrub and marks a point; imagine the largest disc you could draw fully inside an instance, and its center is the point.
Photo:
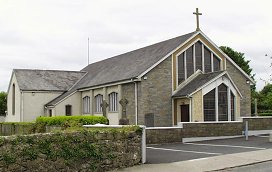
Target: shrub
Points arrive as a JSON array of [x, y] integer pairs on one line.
[[71, 121], [265, 114]]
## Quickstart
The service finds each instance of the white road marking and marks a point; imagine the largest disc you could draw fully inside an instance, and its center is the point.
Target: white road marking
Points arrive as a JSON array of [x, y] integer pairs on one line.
[[262, 136], [177, 150], [232, 146]]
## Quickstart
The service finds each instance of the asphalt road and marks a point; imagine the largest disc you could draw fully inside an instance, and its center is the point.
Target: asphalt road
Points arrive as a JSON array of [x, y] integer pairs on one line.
[[260, 167], [190, 151]]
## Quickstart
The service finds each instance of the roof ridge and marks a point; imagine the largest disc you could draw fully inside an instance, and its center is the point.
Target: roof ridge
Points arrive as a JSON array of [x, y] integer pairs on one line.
[[51, 70]]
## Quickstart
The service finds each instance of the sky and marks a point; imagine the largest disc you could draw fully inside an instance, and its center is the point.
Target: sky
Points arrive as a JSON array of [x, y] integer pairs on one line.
[[53, 34]]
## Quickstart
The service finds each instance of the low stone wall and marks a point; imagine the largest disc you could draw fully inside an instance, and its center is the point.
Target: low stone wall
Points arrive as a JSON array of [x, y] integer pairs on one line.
[[157, 135], [211, 129], [83, 150], [7, 128], [258, 123]]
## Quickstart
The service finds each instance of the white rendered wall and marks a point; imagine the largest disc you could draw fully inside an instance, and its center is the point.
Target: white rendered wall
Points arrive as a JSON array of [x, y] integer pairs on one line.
[[16, 117], [74, 100], [33, 104]]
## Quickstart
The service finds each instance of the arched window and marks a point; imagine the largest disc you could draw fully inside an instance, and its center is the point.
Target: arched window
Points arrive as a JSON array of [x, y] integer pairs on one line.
[[222, 102], [209, 106], [98, 101], [232, 106], [13, 99], [113, 102], [86, 105]]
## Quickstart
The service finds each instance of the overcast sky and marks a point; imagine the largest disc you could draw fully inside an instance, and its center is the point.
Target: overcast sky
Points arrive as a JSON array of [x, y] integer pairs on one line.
[[52, 34]]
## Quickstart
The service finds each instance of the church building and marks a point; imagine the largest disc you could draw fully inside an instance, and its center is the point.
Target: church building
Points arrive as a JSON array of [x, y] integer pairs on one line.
[[183, 79]]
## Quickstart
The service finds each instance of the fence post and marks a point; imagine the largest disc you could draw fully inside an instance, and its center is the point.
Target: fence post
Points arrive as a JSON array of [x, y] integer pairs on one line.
[[246, 130], [143, 144]]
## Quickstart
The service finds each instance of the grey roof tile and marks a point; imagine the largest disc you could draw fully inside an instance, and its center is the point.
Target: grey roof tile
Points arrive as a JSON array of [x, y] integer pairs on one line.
[[46, 80], [196, 83], [125, 66]]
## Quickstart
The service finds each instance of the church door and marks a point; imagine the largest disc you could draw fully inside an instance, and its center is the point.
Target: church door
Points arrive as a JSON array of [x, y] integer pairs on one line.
[[184, 112]]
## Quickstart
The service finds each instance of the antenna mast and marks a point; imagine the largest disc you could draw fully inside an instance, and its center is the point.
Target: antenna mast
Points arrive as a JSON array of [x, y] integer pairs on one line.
[[88, 50]]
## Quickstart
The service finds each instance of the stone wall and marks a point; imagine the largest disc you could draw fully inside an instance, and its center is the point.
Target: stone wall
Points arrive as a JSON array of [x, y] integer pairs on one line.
[[128, 92], [241, 82], [258, 123], [206, 129], [154, 94], [87, 150], [159, 135]]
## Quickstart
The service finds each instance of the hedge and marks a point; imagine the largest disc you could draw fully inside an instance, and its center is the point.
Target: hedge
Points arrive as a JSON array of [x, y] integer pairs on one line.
[[69, 121], [265, 114]]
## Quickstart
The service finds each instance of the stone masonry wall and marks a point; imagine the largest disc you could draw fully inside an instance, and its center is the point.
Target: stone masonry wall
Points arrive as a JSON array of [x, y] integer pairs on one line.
[[154, 94], [259, 123], [88, 150], [159, 136], [211, 129], [240, 81], [128, 92]]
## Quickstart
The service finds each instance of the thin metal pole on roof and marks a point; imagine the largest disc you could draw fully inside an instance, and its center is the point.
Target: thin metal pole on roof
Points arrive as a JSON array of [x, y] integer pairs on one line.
[[88, 50]]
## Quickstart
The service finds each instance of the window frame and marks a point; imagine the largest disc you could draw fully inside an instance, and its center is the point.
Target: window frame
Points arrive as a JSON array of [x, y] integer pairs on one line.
[[113, 102], [86, 105], [98, 108]]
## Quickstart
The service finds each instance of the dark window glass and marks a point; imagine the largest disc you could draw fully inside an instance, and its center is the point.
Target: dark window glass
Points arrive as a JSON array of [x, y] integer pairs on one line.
[[207, 60], [113, 102], [198, 55], [189, 61], [13, 99], [68, 110], [222, 103], [50, 112], [98, 101], [209, 106], [216, 63], [181, 74], [232, 106]]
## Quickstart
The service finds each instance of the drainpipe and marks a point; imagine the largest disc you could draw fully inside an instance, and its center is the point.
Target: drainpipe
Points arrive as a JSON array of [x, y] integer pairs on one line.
[[136, 103], [22, 107]]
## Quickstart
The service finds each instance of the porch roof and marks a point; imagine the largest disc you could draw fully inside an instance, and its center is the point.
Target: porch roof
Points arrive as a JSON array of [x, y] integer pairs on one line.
[[196, 83]]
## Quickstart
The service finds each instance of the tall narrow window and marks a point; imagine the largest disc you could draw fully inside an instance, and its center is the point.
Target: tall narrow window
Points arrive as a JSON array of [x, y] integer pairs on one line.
[[198, 55], [216, 63], [50, 112], [207, 60], [68, 110], [98, 101], [222, 103], [13, 99], [209, 106], [189, 61], [181, 74], [113, 102], [86, 105], [232, 101]]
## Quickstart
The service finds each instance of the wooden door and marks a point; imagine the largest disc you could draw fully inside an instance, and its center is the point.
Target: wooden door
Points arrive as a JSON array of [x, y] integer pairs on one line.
[[184, 112]]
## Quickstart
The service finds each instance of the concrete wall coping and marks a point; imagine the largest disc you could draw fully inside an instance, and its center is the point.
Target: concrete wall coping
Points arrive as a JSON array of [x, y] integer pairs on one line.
[[256, 117], [211, 122], [162, 128]]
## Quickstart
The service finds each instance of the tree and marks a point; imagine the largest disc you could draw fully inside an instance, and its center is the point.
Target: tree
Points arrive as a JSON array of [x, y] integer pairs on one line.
[[239, 59], [3, 103], [265, 98]]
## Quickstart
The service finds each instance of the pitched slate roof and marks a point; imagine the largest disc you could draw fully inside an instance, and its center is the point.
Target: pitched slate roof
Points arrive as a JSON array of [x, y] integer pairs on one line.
[[131, 64], [125, 66], [46, 80], [196, 83]]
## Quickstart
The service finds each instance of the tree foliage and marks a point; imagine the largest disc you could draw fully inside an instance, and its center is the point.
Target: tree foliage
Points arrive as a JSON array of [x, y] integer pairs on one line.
[[265, 98], [239, 59], [3, 103]]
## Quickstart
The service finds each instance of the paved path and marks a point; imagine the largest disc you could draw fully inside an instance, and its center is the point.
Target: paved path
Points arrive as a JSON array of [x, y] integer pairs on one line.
[[259, 167], [207, 164]]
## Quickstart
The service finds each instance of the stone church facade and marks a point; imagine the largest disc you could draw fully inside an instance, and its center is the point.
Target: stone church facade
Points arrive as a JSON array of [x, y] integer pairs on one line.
[[184, 79]]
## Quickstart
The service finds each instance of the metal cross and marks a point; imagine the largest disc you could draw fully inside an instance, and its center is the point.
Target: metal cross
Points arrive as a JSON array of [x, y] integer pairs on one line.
[[197, 19]]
